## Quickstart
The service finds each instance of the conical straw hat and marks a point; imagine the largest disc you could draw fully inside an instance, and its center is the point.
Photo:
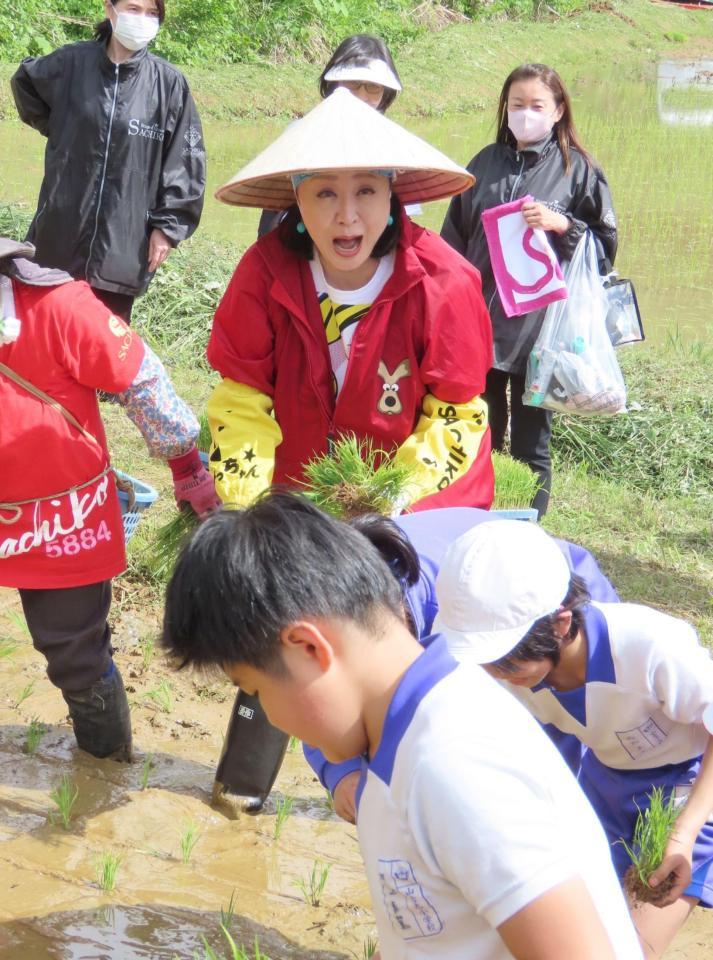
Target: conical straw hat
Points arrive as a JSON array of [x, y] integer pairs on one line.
[[342, 133]]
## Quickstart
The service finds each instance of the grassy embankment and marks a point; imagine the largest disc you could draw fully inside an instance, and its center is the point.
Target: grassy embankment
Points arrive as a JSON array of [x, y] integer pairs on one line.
[[636, 490]]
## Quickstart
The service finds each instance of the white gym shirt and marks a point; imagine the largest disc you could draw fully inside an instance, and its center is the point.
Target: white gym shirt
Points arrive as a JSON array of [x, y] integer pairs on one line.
[[467, 813], [648, 684]]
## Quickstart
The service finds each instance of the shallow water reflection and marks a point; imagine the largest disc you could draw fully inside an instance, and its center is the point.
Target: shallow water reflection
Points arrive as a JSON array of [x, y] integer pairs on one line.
[[139, 932]]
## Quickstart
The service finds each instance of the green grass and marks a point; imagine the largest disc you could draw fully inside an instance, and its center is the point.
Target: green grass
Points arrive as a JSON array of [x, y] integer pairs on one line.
[[652, 830], [64, 795], [313, 887], [107, 868]]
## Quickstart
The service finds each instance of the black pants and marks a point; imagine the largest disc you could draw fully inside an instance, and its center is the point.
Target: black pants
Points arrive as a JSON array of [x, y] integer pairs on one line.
[[119, 303], [69, 628], [530, 429]]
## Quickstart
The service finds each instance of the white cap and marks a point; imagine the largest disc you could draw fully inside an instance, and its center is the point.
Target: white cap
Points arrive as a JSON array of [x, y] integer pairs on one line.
[[494, 583], [343, 133], [375, 71], [708, 718]]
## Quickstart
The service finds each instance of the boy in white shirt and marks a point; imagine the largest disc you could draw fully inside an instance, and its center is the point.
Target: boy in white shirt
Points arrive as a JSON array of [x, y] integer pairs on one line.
[[631, 683], [477, 842]]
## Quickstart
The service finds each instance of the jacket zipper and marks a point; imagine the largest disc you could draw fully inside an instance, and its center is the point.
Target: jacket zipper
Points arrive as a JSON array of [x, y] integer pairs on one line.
[[106, 161], [517, 180]]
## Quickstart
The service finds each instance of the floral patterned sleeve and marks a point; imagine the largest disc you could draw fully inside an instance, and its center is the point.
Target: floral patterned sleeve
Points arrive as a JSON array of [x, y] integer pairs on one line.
[[166, 423]]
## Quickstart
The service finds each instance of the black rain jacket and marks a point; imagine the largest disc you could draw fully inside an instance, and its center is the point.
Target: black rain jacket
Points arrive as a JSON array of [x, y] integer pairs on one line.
[[124, 155], [503, 174]]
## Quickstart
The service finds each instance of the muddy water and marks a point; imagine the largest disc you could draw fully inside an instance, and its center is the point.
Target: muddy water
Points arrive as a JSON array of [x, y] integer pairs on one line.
[[656, 150], [51, 904]]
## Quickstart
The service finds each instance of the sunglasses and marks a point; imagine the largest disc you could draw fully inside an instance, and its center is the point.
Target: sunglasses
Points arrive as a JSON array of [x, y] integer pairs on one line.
[[354, 85]]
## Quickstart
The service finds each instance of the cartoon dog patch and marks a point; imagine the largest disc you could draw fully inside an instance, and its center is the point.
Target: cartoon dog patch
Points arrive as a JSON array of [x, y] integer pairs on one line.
[[389, 401]]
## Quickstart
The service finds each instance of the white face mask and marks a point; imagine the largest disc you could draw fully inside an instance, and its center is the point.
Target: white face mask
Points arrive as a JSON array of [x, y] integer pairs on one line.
[[134, 31], [529, 126]]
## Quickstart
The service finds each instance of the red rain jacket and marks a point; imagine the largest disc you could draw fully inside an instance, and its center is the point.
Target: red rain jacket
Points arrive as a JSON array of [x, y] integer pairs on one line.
[[268, 333]]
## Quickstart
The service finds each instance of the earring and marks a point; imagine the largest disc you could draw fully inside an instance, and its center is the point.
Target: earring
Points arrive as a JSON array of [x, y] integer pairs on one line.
[[301, 228], [390, 221]]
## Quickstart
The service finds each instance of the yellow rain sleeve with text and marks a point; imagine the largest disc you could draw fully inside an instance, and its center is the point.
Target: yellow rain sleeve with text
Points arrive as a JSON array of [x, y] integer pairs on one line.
[[444, 444], [245, 437]]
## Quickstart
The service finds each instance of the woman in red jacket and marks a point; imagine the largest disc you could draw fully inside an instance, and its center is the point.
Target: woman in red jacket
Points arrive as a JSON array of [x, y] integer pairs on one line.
[[61, 533], [349, 318]]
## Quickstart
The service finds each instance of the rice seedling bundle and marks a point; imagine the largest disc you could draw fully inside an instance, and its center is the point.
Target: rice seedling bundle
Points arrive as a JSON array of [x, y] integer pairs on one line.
[[515, 483], [652, 831], [356, 478]]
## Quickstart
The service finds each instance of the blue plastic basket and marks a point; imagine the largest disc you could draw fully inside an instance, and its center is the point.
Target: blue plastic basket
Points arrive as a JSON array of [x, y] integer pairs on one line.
[[520, 513], [144, 495]]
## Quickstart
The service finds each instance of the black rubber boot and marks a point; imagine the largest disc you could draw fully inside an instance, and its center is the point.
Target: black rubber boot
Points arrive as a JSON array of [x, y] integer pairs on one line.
[[101, 717], [252, 755]]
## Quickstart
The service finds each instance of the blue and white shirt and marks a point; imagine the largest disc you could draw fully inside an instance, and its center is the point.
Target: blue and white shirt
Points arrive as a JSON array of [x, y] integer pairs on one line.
[[648, 684], [466, 814]]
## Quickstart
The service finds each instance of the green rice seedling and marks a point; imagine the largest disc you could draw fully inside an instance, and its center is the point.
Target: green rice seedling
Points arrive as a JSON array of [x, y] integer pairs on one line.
[[227, 914], [19, 622], [369, 948], [169, 540], [147, 646], [293, 744], [26, 692], [282, 813], [64, 794], [35, 732], [356, 478], [240, 953], [329, 801], [515, 484], [7, 648], [652, 830], [162, 696], [146, 768], [313, 887], [188, 839], [107, 869]]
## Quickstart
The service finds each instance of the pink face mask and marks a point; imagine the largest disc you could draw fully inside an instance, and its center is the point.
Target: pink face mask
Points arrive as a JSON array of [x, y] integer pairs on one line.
[[529, 126]]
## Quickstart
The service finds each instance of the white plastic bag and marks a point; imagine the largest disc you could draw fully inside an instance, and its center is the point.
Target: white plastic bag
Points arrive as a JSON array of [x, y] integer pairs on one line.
[[572, 367]]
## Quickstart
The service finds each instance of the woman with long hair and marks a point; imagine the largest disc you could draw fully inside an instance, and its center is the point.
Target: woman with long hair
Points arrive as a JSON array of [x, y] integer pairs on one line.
[[536, 152]]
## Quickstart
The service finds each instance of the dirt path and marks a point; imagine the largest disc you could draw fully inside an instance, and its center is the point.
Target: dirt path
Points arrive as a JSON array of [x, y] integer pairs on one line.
[[51, 905]]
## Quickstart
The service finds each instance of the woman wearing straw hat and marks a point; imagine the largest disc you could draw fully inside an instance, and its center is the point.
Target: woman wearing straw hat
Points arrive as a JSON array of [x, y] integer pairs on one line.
[[349, 318], [363, 65]]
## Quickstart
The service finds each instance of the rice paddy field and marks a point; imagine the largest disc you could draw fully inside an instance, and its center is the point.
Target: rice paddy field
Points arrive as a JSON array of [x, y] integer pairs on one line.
[[99, 860]]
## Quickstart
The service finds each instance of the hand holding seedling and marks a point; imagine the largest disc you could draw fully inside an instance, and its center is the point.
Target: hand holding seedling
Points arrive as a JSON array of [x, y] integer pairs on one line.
[[675, 869]]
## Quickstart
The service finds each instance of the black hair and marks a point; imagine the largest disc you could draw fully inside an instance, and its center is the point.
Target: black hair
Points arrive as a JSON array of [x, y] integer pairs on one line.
[[357, 51], [393, 545], [103, 29], [541, 642], [247, 574], [303, 246]]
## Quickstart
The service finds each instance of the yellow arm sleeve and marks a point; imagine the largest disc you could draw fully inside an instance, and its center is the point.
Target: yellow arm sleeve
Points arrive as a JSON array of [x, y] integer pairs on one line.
[[245, 437], [444, 444]]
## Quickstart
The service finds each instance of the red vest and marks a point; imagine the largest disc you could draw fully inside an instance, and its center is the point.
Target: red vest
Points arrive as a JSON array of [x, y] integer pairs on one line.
[[268, 333], [69, 346]]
